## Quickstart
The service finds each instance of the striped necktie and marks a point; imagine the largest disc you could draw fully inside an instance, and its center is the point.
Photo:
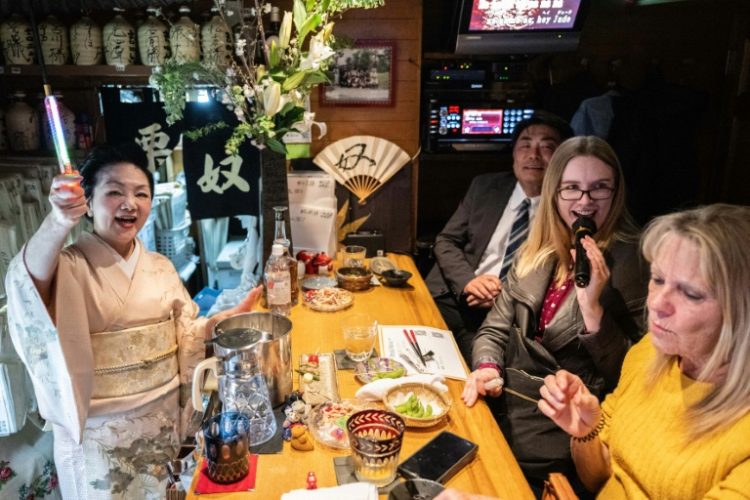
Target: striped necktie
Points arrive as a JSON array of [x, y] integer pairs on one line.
[[518, 232]]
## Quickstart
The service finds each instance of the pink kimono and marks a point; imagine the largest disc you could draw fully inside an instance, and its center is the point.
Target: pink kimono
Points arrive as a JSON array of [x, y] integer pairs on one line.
[[111, 362]]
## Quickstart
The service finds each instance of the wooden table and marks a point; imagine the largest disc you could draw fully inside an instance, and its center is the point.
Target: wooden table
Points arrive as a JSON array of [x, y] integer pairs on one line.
[[494, 471]]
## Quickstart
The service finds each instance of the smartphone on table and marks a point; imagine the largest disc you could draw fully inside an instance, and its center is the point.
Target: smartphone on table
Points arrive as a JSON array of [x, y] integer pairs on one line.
[[440, 459]]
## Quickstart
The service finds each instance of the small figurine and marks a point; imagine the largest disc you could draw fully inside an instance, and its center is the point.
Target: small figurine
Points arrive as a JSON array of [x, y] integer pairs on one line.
[[312, 481], [296, 411], [301, 438]]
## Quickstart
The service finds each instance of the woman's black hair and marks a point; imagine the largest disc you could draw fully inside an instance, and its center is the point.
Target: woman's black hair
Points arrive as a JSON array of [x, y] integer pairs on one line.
[[106, 155]]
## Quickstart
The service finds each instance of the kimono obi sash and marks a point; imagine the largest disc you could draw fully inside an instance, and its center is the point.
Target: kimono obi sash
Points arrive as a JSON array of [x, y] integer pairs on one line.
[[134, 360]]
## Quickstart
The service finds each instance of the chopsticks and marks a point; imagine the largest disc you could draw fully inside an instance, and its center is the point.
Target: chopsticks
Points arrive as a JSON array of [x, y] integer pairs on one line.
[[412, 340]]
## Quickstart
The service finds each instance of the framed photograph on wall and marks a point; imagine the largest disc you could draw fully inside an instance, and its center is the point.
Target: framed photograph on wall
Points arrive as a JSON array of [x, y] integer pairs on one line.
[[362, 75]]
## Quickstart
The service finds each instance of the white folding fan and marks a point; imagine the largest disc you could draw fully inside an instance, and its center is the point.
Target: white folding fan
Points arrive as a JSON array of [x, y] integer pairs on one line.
[[362, 163]]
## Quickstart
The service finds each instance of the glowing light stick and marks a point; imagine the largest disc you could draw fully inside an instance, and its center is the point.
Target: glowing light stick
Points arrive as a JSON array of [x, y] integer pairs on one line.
[[57, 132]]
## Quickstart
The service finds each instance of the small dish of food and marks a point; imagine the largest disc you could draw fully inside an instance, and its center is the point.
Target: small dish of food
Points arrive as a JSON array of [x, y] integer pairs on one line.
[[327, 422], [420, 405], [377, 368], [354, 279], [318, 282], [328, 299]]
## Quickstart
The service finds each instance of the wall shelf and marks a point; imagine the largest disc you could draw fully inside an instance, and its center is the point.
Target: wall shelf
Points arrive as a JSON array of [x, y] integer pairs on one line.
[[133, 72]]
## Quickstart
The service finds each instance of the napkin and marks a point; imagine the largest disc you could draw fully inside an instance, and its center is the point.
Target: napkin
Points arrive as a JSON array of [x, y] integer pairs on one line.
[[376, 390], [206, 486], [351, 491]]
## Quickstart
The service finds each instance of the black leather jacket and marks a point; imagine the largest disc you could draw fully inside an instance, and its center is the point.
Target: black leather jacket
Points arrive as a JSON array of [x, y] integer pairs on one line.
[[507, 338]]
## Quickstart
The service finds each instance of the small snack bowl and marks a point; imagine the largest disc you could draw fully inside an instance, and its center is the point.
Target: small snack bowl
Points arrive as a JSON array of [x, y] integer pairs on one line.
[[353, 278], [420, 405], [395, 277]]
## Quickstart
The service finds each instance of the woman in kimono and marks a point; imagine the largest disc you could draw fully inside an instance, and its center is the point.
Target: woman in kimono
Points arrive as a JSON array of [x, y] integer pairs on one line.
[[107, 332]]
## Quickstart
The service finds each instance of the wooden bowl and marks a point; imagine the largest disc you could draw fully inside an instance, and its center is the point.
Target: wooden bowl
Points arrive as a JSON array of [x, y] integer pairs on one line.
[[353, 278], [440, 403]]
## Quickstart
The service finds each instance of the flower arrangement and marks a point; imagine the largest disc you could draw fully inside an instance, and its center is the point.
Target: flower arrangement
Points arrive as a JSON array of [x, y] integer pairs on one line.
[[266, 85]]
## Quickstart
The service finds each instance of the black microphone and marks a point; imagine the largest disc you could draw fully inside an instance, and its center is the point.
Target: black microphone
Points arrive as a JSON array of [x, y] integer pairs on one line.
[[583, 226]]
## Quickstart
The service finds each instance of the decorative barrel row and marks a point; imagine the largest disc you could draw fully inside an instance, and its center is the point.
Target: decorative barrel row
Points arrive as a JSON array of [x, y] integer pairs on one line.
[[115, 44]]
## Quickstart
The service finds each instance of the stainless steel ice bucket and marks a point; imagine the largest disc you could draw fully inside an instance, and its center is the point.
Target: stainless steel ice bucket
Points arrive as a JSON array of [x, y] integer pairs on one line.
[[256, 342]]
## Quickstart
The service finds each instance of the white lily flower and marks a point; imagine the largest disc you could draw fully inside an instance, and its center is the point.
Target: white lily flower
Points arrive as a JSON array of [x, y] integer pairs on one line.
[[272, 99], [303, 126], [285, 32], [318, 53]]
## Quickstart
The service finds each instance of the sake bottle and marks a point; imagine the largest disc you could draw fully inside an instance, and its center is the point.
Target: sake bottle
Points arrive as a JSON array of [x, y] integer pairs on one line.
[[216, 41], [22, 123], [119, 41], [278, 282], [280, 238], [86, 42], [153, 40], [53, 38], [17, 41], [185, 38]]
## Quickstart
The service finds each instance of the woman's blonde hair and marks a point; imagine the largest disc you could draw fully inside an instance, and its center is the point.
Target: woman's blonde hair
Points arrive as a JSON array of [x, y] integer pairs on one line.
[[721, 233], [549, 236]]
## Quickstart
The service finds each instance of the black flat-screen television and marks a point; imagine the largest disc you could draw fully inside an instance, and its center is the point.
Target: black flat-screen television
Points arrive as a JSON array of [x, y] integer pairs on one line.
[[520, 27]]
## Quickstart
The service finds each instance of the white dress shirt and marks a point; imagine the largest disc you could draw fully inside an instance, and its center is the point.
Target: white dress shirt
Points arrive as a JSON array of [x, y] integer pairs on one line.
[[492, 258]]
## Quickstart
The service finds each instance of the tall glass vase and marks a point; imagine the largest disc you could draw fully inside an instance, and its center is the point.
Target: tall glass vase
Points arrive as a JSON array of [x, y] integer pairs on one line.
[[273, 193]]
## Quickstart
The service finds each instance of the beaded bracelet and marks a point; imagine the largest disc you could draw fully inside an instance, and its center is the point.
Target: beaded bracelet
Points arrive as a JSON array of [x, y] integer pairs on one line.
[[591, 435]]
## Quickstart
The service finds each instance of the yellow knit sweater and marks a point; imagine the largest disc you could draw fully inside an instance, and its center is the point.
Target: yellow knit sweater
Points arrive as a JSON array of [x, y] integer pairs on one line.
[[647, 438]]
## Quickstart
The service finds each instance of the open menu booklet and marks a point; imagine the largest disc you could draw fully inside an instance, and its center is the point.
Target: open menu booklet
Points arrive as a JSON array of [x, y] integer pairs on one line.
[[446, 359]]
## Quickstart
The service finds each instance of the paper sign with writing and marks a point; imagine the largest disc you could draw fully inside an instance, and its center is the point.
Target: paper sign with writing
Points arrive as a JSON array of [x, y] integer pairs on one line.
[[312, 211], [312, 188]]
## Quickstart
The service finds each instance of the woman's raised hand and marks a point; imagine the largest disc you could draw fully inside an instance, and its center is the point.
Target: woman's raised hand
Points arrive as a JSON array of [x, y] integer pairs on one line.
[[482, 382], [67, 199], [568, 402], [250, 300], [246, 305], [588, 297]]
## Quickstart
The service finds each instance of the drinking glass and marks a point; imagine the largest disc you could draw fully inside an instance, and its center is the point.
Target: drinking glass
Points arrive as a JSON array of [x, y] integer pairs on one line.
[[375, 439], [226, 445], [360, 332], [354, 256]]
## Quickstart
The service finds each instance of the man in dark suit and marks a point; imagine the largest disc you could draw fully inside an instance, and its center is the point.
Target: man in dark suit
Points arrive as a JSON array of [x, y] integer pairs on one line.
[[473, 248]]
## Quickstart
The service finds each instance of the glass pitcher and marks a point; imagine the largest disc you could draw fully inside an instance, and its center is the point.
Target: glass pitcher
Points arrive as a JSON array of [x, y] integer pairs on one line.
[[247, 393]]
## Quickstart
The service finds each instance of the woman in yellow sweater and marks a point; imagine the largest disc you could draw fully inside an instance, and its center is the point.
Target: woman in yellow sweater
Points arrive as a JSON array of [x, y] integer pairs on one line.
[[678, 423]]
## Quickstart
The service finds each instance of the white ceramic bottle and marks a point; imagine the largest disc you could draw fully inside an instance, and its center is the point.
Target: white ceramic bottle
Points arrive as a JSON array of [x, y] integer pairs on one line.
[[17, 40], [53, 38], [86, 42], [153, 40], [22, 123], [185, 38], [216, 41], [119, 41]]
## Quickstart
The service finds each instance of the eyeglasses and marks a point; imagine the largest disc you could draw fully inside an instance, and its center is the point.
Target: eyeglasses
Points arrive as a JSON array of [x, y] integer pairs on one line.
[[574, 194]]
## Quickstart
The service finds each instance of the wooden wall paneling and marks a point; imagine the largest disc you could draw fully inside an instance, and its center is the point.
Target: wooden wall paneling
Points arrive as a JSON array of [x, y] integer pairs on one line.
[[401, 22]]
